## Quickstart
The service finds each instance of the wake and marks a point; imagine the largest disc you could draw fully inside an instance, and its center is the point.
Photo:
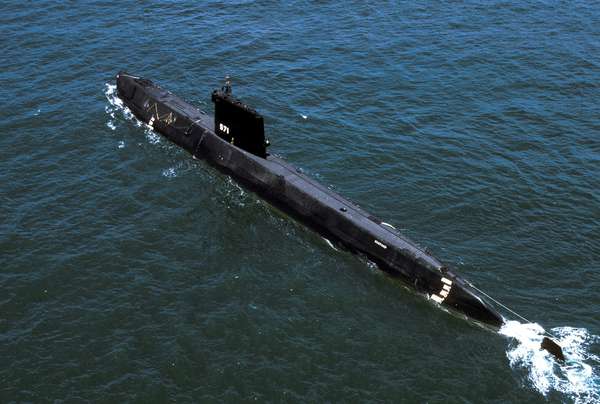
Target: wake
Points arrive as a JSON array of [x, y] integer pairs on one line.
[[578, 378]]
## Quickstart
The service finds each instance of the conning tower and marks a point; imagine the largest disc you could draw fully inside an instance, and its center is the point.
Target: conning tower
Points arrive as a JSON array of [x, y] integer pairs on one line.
[[237, 123]]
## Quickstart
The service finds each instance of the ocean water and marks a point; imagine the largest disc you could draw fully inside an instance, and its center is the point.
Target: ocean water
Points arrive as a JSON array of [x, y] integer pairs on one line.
[[131, 272]]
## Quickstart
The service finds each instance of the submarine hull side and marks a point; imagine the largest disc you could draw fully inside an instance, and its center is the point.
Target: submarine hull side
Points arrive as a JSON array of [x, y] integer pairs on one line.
[[286, 188]]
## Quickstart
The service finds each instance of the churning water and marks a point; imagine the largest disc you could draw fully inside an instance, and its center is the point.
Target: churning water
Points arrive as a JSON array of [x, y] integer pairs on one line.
[[578, 378]]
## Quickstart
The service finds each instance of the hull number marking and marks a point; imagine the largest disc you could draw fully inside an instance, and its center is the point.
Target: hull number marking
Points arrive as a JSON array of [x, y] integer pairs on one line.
[[224, 128]]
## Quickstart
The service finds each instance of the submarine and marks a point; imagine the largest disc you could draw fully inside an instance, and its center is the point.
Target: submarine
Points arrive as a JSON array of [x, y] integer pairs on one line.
[[234, 142]]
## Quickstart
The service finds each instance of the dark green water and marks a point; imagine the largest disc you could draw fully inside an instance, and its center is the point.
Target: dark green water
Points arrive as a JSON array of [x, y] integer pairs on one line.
[[130, 272]]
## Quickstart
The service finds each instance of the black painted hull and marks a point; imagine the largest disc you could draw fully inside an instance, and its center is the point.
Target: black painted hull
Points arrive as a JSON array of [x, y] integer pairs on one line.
[[288, 189]]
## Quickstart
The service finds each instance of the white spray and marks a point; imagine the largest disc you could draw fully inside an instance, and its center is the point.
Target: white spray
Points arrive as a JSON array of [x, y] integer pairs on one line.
[[117, 105], [578, 378]]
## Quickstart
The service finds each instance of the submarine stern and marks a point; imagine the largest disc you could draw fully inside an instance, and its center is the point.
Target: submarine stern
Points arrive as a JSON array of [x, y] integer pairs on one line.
[[459, 297]]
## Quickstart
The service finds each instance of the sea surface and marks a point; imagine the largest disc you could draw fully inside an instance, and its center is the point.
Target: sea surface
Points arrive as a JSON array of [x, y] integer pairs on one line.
[[130, 272]]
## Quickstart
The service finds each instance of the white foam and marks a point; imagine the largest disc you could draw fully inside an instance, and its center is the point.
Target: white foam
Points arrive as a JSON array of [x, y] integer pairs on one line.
[[330, 244], [170, 172], [236, 186], [578, 378], [117, 105], [152, 136]]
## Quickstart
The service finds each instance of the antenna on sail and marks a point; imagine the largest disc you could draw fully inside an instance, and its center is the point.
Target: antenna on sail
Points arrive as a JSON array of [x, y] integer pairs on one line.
[[227, 87]]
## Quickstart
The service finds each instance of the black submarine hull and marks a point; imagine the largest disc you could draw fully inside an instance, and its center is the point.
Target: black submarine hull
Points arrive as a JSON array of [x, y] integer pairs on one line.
[[288, 189]]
